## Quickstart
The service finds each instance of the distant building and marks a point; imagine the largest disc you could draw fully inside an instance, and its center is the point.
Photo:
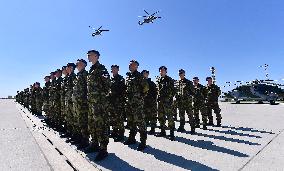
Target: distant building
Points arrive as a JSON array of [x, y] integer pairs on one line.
[[10, 97]]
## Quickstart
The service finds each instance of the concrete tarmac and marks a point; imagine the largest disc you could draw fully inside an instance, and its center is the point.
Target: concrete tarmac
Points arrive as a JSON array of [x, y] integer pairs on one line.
[[251, 138]]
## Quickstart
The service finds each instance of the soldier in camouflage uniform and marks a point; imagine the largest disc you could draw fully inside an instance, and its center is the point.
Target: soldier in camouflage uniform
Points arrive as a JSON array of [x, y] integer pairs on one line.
[[150, 103], [184, 101], [70, 127], [199, 103], [117, 104], [166, 92], [38, 99], [26, 98], [33, 99], [137, 88], [58, 121], [98, 89], [45, 96], [213, 92], [51, 99], [80, 103], [30, 100], [63, 98]]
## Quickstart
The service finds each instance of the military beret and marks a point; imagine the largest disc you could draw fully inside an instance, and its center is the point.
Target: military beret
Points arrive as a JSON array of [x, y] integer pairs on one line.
[[208, 78], [163, 67], [115, 66], [52, 73], [94, 51], [181, 71], [134, 61], [145, 71], [63, 68], [195, 78], [58, 70], [47, 77], [37, 83], [71, 64], [82, 60]]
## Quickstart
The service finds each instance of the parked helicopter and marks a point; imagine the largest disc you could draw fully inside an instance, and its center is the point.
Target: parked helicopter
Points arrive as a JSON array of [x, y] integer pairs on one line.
[[256, 90], [97, 32], [148, 18]]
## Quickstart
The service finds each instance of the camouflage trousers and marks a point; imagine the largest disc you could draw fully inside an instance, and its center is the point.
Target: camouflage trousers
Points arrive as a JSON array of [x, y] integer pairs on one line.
[[215, 107], [116, 113], [63, 110], [33, 106], [38, 108], [136, 119], [165, 112], [56, 112], [45, 106], [69, 117], [81, 119], [200, 107], [150, 110], [185, 106], [98, 124]]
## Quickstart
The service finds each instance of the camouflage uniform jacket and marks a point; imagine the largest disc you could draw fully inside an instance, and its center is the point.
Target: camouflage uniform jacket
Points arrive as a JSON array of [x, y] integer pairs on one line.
[[184, 90], [166, 89], [118, 89], [98, 84], [212, 92], [80, 87], [137, 86]]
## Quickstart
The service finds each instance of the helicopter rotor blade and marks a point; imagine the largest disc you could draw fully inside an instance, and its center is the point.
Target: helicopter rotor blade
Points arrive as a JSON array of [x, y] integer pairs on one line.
[[104, 30], [155, 13], [100, 28], [91, 27], [146, 12]]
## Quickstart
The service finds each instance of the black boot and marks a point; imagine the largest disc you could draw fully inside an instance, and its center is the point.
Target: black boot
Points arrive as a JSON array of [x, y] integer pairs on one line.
[[143, 138], [77, 138], [141, 147], [152, 131], [181, 129], [131, 139], [162, 133], [93, 147], [219, 123], [113, 134], [197, 125], [101, 155], [120, 137], [83, 144], [192, 131], [204, 127], [210, 123], [172, 135]]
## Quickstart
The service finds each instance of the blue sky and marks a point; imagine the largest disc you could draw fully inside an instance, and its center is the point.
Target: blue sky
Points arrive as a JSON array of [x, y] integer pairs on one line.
[[235, 36]]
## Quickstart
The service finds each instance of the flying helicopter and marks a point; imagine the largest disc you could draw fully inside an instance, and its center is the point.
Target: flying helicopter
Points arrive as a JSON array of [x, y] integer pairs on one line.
[[148, 18], [97, 32]]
